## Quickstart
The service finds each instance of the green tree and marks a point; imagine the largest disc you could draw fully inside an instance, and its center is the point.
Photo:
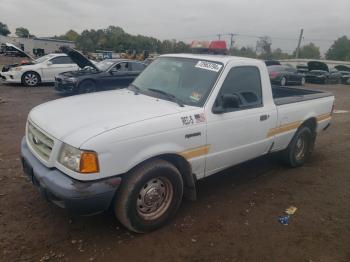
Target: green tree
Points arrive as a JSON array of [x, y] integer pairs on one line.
[[71, 35], [310, 51], [22, 32], [279, 54], [340, 49], [244, 52], [4, 30]]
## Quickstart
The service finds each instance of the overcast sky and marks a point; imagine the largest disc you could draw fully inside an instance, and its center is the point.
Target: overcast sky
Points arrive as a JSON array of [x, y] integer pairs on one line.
[[322, 20]]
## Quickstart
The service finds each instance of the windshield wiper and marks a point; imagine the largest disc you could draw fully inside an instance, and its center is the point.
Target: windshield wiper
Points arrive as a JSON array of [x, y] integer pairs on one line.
[[171, 97]]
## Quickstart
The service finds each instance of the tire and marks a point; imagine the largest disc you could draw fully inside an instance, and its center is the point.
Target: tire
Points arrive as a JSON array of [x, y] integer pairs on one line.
[[300, 148], [283, 81], [302, 81], [149, 196], [31, 79], [87, 86]]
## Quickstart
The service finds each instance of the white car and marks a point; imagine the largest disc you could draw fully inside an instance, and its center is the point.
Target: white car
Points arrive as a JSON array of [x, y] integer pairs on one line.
[[41, 70], [140, 150]]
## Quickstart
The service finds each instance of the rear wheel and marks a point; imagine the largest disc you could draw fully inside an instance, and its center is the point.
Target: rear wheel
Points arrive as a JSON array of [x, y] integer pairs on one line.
[[87, 86], [283, 81], [31, 79], [300, 148], [149, 196]]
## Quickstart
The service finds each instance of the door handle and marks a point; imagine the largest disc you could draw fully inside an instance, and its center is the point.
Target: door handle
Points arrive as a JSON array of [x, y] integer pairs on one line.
[[264, 117]]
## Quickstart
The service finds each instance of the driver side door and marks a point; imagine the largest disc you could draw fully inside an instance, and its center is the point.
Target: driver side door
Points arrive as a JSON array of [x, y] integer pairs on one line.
[[239, 132], [117, 76]]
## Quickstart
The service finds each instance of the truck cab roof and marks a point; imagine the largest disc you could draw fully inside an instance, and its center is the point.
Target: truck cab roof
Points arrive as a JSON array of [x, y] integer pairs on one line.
[[215, 58]]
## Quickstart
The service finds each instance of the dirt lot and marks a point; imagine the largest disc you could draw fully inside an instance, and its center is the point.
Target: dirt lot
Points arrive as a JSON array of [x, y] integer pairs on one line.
[[234, 219]]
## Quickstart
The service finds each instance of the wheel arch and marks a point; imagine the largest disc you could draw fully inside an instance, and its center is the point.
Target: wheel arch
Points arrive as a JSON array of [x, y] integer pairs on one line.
[[185, 169], [311, 123]]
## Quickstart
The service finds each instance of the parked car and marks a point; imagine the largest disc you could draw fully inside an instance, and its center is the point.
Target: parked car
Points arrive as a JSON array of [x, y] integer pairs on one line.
[[272, 62], [41, 70], [345, 72], [284, 75], [139, 150], [320, 73], [302, 68], [107, 74]]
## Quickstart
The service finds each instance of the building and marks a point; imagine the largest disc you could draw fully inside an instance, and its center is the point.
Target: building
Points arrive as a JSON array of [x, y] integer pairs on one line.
[[37, 46]]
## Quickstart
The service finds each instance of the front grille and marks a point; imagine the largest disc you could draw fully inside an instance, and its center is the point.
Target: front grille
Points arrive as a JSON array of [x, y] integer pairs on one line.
[[40, 142]]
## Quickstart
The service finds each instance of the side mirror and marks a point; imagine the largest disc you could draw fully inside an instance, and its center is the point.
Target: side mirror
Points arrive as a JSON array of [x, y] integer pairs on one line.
[[49, 63], [226, 101]]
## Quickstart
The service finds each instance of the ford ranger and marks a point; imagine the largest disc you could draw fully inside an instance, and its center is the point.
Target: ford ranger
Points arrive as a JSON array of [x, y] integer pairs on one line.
[[139, 150]]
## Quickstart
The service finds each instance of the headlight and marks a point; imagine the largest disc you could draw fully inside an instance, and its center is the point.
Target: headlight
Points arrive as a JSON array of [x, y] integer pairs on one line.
[[72, 79], [78, 160]]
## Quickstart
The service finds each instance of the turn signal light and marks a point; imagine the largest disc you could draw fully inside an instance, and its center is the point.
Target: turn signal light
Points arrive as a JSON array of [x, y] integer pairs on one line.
[[89, 162]]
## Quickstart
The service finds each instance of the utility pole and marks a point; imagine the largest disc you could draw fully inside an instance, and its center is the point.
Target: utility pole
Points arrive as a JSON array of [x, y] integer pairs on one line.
[[231, 40], [219, 36], [298, 48]]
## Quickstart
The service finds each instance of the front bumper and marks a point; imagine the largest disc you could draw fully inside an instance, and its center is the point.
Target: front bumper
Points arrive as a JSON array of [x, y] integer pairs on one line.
[[10, 77], [85, 198], [64, 87]]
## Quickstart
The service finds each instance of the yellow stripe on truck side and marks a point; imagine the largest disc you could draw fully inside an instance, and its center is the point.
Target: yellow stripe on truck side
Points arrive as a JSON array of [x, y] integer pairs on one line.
[[294, 125], [324, 117], [195, 152]]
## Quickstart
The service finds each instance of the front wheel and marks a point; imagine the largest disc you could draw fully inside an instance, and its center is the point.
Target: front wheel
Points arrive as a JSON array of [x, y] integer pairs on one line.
[[87, 86], [149, 196], [31, 79], [300, 148]]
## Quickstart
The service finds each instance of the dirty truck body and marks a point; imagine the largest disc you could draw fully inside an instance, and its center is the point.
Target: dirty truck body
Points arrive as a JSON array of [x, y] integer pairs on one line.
[[140, 150]]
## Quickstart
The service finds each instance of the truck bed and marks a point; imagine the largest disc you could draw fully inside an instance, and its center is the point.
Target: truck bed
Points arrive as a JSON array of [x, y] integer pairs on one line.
[[288, 95]]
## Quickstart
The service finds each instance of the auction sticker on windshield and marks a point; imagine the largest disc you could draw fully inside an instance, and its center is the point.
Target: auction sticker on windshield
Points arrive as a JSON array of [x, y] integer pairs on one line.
[[208, 66]]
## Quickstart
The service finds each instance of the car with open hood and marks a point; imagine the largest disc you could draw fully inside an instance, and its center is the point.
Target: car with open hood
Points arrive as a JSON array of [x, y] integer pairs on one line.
[[37, 71], [344, 70], [320, 73], [107, 74], [12, 50]]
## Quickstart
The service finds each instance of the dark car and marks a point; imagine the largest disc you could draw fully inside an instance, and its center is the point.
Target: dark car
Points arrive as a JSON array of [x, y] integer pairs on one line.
[[302, 68], [272, 62], [319, 73], [345, 73], [285, 75], [105, 75]]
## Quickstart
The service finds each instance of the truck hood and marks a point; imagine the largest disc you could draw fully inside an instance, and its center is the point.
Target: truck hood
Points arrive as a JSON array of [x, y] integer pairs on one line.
[[76, 119]]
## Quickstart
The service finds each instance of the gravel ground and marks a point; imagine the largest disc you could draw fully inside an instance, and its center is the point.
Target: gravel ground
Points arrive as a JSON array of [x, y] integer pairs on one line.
[[234, 218]]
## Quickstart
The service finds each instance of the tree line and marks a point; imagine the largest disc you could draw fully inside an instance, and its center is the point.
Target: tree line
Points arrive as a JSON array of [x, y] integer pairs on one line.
[[114, 38]]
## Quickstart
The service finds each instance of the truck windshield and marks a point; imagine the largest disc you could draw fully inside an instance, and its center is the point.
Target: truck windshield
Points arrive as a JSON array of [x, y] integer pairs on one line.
[[187, 80]]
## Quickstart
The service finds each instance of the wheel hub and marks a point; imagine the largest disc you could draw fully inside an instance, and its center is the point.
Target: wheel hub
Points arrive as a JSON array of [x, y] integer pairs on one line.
[[154, 198], [300, 148]]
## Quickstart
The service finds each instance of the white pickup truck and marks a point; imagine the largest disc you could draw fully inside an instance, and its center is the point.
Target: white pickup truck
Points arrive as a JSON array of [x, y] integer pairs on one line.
[[140, 150]]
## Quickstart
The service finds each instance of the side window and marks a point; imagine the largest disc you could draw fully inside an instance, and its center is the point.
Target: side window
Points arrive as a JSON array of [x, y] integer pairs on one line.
[[122, 67], [61, 60], [244, 83], [138, 66]]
